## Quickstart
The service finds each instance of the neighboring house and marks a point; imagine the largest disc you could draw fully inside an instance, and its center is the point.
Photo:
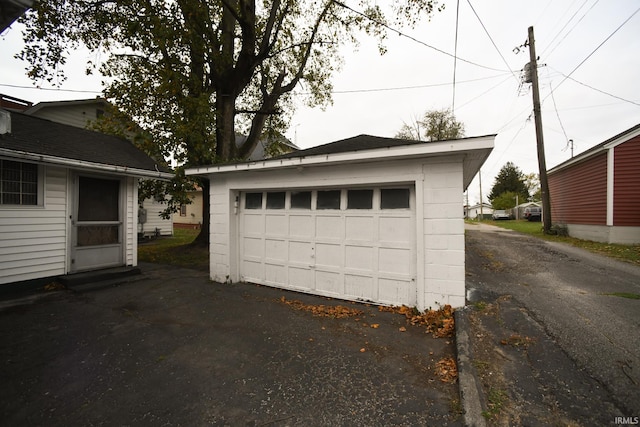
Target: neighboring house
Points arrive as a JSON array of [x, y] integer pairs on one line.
[[595, 194], [473, 212], [365, 218], [68, 198], [190, 216], [11, 103], [82, 113]]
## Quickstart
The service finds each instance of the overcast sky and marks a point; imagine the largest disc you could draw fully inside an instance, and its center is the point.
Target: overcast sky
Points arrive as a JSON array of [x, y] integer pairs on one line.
[[586, 40]]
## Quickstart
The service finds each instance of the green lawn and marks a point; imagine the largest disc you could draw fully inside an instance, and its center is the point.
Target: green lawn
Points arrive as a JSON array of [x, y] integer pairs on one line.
[[629, 253], [175, 250]]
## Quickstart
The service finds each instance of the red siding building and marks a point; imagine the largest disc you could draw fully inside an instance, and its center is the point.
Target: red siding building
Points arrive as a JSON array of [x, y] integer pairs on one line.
[[597, 193]]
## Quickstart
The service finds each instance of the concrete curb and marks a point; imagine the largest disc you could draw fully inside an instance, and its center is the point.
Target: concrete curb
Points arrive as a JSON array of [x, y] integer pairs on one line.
[[467, 381]]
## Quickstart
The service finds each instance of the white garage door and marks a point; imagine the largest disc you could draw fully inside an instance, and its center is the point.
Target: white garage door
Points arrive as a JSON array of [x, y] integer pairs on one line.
[[356, 244]]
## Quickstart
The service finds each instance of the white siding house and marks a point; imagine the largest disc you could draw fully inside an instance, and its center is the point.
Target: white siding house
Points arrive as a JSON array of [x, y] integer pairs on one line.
[[68, 199], [366, 219], [82, 113]]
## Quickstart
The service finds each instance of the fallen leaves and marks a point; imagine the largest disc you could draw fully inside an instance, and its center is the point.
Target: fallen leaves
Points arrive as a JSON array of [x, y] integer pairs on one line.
[[337, 312], [438, 322], [447, 370]]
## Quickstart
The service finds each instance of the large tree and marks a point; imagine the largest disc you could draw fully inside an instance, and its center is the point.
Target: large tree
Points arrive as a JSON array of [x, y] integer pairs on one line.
[[509, 179], [435, 125], [194, 72]]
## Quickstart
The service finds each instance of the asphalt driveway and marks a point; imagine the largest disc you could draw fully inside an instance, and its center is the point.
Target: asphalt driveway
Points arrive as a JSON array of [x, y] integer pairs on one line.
[[173, 348]]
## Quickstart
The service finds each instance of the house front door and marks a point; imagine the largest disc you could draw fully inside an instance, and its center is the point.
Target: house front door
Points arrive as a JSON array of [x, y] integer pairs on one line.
[[97, 240]]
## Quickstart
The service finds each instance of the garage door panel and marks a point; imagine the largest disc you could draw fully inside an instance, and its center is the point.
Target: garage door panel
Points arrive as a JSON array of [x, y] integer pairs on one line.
[[329, 227], [300, 252], [328, 254], [361, 287], [329, 282], [396, 292], [301, 226], [396, 229], [276, 250], [276, 225], [275, 274], [252, 224], [252, 271], [253, 247], [395, 260], [360, 228], [359, 257], [301, 278]]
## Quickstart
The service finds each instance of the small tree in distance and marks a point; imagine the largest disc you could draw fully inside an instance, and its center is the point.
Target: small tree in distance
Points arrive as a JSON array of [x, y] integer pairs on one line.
[[509, 182], [435, 125]]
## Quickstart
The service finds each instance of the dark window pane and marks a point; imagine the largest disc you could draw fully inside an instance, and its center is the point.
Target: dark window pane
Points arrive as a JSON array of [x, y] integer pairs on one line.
[[253, 201], [98, 199], [301, 199], [18, 183], [276, 200], [394, 198], [359, 199], [328, 199]]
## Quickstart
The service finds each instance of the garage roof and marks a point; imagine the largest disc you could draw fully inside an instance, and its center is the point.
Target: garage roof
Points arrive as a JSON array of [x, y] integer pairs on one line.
[[368, 148]]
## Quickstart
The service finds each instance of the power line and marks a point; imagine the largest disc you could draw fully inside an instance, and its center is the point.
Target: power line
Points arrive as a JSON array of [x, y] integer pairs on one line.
[[571, 29], [492, 42], [594, 51], [455, 60], [564, 26], [400, 33], [51, 89], [386, 89], [596, 89]]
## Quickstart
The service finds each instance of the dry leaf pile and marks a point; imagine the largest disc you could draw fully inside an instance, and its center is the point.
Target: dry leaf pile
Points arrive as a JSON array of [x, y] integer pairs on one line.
[[438, 322], [447, 370], [338, 311]]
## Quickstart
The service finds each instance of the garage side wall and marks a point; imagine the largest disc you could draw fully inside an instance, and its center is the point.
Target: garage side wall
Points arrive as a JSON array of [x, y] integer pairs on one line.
[[443, 235]]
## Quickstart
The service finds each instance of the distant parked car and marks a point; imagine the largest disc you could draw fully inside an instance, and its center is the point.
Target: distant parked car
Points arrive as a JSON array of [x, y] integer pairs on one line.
[[533, 213], [500, 214]]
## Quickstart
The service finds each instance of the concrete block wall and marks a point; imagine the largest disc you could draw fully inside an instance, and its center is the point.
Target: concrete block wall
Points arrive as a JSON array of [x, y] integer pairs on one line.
[[443, 228]]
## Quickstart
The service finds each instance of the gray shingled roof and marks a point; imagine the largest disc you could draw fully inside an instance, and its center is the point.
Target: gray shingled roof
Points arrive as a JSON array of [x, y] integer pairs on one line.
[[356, 143], [43, 137]]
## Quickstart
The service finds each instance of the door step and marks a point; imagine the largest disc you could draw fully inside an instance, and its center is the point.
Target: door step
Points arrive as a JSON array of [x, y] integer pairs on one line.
[[99, 279]]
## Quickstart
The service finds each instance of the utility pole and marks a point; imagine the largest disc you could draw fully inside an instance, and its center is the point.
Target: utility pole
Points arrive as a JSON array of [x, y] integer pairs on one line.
[[542, 164]]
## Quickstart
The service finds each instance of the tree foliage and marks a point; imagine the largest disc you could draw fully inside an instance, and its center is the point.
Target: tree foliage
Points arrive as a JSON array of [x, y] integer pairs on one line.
[[509, 179], [193, 73], [435, 125]]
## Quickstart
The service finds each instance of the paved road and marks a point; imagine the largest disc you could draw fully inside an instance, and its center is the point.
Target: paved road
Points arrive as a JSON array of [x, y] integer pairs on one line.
[[568, 292]]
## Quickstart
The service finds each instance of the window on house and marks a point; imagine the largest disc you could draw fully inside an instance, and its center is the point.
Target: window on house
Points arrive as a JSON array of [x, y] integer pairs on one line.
[[328, 199], [394, 198], [18, 183], [183, 210], [253, 201], [359, 199], [301, 199], [276, 200]]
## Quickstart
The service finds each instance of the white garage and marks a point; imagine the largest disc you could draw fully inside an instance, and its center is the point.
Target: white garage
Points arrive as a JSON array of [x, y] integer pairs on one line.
[[366, 219]]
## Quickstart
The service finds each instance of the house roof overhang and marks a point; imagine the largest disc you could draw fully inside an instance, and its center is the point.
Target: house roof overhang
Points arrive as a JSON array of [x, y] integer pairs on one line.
[[473, 151], [84, 165]]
